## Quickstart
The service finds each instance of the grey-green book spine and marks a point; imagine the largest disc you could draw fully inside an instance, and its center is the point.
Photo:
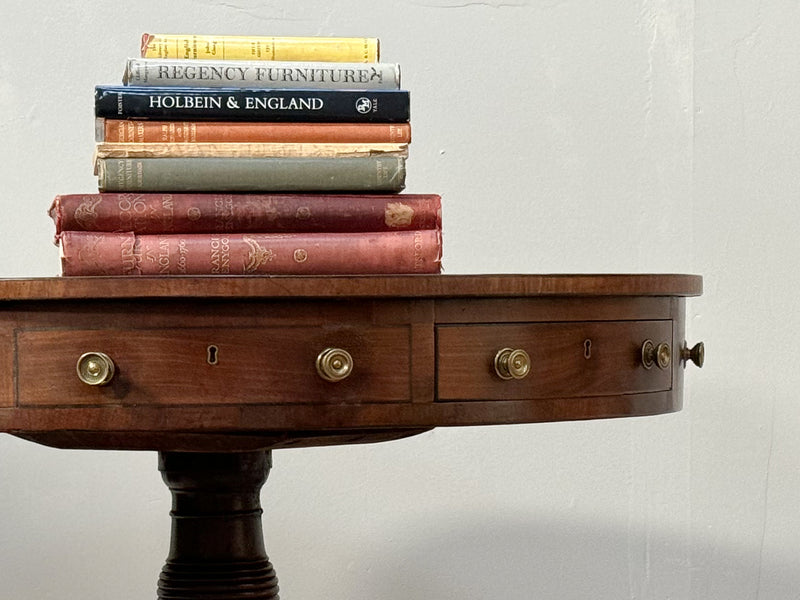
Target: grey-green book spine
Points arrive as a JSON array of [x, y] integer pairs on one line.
[[361, 174]]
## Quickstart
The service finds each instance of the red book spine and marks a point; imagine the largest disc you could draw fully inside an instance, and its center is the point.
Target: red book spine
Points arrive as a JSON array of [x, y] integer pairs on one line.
[[395, 252], [244, 213], [137, 130]]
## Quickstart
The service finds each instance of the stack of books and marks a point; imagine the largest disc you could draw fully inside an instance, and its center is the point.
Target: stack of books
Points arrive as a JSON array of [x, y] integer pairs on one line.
[[246, 155]]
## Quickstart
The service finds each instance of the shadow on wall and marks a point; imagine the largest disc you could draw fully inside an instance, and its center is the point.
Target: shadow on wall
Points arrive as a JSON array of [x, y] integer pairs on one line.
[[573, 560]]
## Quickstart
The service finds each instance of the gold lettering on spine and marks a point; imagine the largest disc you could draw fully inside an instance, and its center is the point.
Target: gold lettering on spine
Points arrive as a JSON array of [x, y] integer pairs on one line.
[[381, 172], [163, 256], [130, 256], [89, 256], [120, 174], [257, 255], [167, 212], [399, 133], [220, 255], [182, 252], [85, 213], [132, 212], [223, 213]]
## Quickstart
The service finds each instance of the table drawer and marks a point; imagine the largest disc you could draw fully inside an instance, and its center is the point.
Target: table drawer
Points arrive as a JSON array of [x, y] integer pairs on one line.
[[272, 365], [575, 359]]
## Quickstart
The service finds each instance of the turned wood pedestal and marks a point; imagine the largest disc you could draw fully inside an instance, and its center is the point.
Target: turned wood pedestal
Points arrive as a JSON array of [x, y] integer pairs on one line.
[[217, 546], [215, 372]]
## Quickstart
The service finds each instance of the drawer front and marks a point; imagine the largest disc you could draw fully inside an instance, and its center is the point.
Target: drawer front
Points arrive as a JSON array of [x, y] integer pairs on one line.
[[577, 359], [214, 366]]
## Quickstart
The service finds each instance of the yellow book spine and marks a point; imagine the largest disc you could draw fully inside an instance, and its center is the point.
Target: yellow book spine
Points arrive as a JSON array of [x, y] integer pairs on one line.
[[220, 47]]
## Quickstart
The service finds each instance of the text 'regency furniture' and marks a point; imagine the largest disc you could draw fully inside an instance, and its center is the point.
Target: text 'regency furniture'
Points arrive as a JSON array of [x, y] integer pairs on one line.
[[215, 372]]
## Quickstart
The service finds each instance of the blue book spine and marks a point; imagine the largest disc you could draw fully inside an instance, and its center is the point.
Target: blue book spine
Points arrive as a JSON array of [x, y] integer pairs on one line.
[[252, 104]]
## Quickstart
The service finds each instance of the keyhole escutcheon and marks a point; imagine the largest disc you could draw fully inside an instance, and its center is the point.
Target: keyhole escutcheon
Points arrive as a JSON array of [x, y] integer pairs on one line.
[[212, 355], [587, 349]]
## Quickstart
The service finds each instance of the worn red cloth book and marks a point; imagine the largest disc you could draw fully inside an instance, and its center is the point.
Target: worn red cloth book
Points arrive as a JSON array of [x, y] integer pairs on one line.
[[244, 213], [391, 252]]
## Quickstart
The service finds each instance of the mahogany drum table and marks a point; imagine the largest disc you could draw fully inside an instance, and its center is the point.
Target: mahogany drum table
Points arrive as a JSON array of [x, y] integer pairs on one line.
[[215, 372]]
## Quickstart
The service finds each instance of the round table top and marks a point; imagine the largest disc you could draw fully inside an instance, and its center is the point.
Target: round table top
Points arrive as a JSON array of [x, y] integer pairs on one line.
[[422, 346], [362, 286]]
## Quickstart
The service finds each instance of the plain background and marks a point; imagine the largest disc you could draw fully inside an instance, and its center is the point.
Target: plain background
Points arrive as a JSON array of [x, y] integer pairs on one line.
[[564, 136]]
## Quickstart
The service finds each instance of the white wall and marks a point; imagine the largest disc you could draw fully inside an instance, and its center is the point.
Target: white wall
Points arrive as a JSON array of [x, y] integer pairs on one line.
[[564, 137]]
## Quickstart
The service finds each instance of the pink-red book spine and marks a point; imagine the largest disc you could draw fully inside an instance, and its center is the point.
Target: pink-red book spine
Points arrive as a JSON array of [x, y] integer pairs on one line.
[[151, 213], [138, 130], [365, 253]]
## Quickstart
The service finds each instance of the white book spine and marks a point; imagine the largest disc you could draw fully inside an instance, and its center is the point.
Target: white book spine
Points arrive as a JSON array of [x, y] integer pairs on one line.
[[260, 74]]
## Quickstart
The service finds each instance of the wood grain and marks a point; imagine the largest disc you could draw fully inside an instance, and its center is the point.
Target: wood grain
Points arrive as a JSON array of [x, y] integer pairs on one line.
[[379, 286], [423, 349]]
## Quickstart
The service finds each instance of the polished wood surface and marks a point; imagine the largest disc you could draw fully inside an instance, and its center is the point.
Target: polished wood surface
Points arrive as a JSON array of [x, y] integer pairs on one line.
[[216, 549], [422, 347], [214, 372], [428, 286]]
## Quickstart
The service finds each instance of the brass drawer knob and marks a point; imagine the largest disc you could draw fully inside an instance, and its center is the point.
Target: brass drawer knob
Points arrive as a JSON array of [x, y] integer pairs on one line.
[[95, 368], [334, 364], [512, 364], [659, 355], [696, 354]]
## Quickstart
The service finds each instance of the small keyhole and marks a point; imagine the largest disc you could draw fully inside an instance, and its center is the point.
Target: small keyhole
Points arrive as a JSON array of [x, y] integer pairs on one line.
[[587, 349], [213, 355]]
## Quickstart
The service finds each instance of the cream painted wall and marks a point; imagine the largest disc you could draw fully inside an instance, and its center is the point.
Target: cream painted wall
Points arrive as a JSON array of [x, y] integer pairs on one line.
[[564, 136]]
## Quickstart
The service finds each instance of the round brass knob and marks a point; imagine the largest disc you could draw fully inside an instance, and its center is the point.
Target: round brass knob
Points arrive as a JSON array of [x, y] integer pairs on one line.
[[512, 364], [696, 354], [95, 368], [334, 364], [659, 355]]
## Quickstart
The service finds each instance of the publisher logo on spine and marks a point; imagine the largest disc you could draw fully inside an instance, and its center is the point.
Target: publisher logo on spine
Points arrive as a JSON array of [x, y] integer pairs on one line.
[[363, 105]]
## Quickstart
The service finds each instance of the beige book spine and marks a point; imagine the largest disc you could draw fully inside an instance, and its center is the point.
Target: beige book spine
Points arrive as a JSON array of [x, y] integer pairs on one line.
[[255, 149]]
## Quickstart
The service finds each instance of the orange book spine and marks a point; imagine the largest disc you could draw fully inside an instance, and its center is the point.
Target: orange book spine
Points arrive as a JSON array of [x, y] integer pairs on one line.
[[395, 252], [130, 130]]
